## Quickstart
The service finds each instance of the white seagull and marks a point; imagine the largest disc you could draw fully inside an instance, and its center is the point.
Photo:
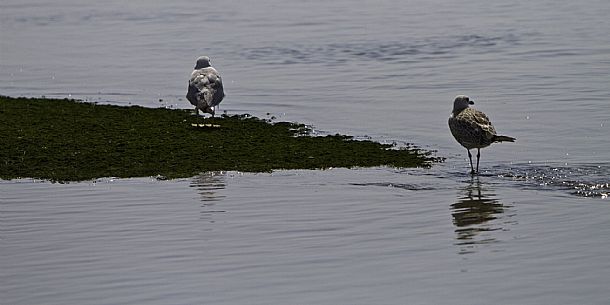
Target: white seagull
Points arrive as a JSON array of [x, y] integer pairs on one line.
[[205, 89], [472, 128]]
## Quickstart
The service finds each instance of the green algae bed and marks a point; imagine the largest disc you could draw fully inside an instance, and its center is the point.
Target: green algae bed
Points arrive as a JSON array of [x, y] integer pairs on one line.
[[69, 140]]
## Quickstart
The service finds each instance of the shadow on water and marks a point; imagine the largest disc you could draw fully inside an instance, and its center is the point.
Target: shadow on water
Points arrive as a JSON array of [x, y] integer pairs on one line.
[[473, 215], [208, 185]]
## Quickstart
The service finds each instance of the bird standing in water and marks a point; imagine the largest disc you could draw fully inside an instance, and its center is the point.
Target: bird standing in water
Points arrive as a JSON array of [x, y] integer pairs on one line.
[[205, 89], [472, 128]]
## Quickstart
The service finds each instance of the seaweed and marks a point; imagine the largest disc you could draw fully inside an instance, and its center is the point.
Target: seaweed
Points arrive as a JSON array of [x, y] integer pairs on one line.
[[69, 140]]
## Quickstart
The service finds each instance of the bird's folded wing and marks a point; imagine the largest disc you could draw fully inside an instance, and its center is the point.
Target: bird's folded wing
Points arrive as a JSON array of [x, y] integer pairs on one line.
[[483, 122], [207, 84]]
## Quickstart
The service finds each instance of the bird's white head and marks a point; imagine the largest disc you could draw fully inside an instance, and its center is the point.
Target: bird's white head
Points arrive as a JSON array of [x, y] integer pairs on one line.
[[460, 103], [202, 62]]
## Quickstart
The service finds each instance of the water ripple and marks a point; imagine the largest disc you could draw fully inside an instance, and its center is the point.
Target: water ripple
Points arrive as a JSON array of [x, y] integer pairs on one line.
[[336, 53], [579, 180], [404, 186]]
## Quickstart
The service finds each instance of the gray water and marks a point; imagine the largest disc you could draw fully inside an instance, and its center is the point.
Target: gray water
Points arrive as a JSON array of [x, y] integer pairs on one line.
[[531, 229]]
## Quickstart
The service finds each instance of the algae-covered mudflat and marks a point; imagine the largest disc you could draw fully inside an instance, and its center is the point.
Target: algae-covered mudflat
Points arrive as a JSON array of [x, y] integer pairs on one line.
[[69, 140]]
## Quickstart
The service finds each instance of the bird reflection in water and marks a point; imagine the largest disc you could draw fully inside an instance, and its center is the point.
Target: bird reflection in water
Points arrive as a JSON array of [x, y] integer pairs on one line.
[[473, 215], [209, 185]]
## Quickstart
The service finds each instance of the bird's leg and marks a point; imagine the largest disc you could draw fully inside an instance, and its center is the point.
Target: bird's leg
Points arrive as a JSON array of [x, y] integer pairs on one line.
[[470, 158], [478, 156]]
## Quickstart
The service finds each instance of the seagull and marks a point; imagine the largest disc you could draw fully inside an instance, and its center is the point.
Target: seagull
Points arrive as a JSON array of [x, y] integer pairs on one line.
[[205, 89], [472, 128]]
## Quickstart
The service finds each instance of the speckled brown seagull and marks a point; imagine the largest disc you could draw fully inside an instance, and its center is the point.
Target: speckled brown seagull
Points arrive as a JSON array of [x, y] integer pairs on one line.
[[205, 89], [472, 128]]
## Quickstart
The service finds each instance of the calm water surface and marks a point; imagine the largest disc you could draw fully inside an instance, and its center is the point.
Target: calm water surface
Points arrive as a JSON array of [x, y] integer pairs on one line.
[[531, 229]]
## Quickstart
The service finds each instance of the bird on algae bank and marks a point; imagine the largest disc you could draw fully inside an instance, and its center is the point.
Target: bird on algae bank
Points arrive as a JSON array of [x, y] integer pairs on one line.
[[205, 89], [472, 128]]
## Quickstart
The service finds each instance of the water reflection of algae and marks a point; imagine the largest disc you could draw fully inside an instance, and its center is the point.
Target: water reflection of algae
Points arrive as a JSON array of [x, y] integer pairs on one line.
[[473, 215]]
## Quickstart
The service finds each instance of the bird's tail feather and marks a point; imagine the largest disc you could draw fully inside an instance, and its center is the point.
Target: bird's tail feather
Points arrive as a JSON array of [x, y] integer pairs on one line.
[[503, 139]]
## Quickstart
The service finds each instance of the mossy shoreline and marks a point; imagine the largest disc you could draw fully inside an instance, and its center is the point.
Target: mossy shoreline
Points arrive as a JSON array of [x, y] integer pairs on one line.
[[69, 140]]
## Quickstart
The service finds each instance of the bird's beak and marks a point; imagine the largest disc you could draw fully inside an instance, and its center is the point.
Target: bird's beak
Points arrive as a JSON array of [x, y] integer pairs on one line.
[[471, 102]]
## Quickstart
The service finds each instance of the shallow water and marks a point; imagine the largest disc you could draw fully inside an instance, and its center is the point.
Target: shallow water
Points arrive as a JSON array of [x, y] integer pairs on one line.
[[530, 229], [340, 236]]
